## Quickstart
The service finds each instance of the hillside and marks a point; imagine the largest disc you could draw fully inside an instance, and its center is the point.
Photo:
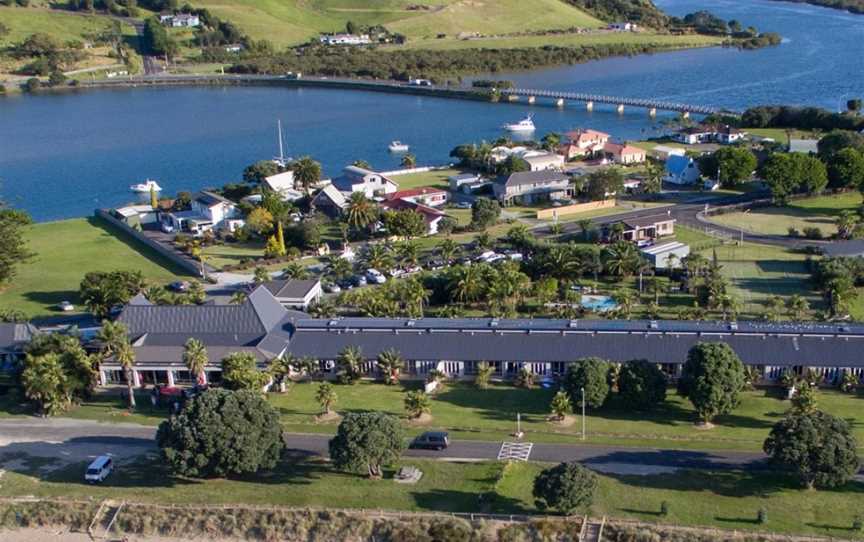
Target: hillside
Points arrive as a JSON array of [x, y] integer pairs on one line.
[[295, 21]]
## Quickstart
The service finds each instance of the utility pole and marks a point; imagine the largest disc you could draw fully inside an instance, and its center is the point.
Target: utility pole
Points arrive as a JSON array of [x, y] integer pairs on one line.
[[583, 413]]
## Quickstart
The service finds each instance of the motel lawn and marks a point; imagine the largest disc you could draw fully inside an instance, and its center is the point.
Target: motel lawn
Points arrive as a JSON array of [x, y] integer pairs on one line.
[[727, 500], [64, 252]]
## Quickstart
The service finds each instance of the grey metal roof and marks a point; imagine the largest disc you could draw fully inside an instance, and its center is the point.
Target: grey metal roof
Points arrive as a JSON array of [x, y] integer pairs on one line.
[[14, 335], [533, 177], [210, 198], [290, 289], [844, 248]]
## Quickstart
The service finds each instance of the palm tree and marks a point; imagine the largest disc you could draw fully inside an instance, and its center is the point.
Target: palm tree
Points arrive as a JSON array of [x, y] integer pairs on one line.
[[484, 241], [409, 161], [280, 369], [729, 306], [349, 363], [125, 356], [390, 362], [156, 295], [846, 223], [196, 293], [238, 297], [326, 396], [525, 378], [484, 375], [360, 212], [798, 306], [408, 254], [414, 296], [112, 336], [625, 298], [307, 172], [322, 309], [261, 275], [362, 164], [560, 405], [378, 257], [447, 248], [339, 267], [417, 403], [294, 271], [586, 225], [195, 358], [774, 308], [621, 259], [467, 283]]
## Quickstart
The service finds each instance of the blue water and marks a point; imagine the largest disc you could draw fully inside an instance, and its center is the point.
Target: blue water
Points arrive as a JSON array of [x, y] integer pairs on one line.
[[63, 155]]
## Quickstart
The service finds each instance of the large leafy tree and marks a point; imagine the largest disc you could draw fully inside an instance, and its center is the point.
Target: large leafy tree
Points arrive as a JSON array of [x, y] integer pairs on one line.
[[603, 183], [484, 213], [819, 447], [406, 223], [566, 487], [240, 372], [13, 246], [57, 372], [100, 291], [260, 170], [365, 441], [592, 374], [733, 165], [641, 384], [222, 433], [846, 169], [712, 379]]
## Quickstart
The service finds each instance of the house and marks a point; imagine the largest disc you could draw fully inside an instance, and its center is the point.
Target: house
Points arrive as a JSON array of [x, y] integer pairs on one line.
[[283, 184], [14, 336], [693, 135], [666, 255], [456, 182], [641, 228], [531, 186], [431, 197], [622, 27], [358, 179], [545, 161], [681, 170], [623, 153], [807, 146], [727, 135], [431, 216], [583, 142], [234, 48], [345, 39], [330, 201], [295, 294], [209, 211], [663, 152], [136, 216], [180, 20]]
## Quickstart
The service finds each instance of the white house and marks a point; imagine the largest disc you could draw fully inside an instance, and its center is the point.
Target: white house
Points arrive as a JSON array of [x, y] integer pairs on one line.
[[358, 179], [283, 184], [623, 27], [295, 294], [681, 170], [544, 161], [663, 152], [209, 211], [180, 20], [345, 39], [710, 134]]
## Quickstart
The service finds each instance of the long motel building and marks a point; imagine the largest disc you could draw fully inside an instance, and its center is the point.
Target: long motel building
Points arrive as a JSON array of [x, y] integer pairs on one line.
[[266, 329]]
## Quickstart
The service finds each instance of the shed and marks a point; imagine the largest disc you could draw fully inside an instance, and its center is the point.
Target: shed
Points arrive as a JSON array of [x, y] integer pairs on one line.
[[666, 255]]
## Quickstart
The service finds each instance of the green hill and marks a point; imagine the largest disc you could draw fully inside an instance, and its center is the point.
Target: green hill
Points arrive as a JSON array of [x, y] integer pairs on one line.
[[286, 22]]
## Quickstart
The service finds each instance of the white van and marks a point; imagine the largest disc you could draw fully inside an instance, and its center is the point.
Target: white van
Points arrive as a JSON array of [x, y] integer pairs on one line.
[[375, 276], [99, 469]]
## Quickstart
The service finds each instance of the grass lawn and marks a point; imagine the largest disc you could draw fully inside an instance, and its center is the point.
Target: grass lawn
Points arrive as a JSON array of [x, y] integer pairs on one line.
[[64, 26], [64, 252], [781, 135], [727, 500], [437, 179], [231, 253], [468, 413], [818, 212]]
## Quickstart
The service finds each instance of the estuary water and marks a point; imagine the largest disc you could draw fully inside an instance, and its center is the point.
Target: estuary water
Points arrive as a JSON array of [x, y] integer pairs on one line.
[[63, 155]]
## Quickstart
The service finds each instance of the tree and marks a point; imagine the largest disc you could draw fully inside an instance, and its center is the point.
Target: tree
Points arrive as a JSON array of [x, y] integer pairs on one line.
[[484, 213], [838, 140], [366, 441], [653, 183], [819, 447], [390, 363], [846, 169], [326, 396], [45, 382], [240, 372], [466, 283], [13, 246], [730, 165], [307, 172], [417, 403], [404, 223], [846, 222], [565, 487], [641, 384], [360, 212], [804, 400], [853, 105], [551, 141], [525, 378], [260, 221], [221, 433], [102, 291], [560, 405], [126, 358], [155, 39], [260, 170], [195, 358], [238, 297], [604, 183], [484, 375], [712, 379], [349, 364], [409, 161], [293, 271], [590, 374]]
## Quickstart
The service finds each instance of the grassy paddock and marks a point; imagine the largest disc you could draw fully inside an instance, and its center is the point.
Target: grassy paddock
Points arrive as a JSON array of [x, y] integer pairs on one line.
[[64, 252], [819, 212]]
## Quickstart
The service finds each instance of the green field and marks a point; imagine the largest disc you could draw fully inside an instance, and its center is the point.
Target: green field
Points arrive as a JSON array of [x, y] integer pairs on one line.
[[65, 251], [64, 26], [293, 21], [819, 212], [727, 500], [664, 41]]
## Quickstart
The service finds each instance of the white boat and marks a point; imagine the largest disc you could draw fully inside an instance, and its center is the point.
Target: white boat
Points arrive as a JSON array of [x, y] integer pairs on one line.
[[524, 125], [146, 186], [280, 160], [398, 146]]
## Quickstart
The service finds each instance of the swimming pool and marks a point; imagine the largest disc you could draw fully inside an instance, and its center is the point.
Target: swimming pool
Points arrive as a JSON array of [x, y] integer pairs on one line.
[[598, 303]]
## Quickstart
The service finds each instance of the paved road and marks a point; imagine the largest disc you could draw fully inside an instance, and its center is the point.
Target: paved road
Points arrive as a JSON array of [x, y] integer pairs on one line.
[[78, 440]]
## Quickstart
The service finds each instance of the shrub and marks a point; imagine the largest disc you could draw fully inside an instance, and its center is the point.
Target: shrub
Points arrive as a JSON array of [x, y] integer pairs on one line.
[[793, 232], [365, 441], [641, 384], [592, 374], [32, 85], [858, 523], [565, 487], [812, 233], [664, 508], [762, 516]]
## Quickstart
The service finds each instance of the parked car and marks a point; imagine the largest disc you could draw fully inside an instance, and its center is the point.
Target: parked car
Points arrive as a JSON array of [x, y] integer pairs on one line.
[[435, 265], [179, 286], [332, 288], [396, 272], [346, 284], [431, 440], [463, 205], [360, 280], [167, 227], [66, 306], [375, 276], [99, 470]]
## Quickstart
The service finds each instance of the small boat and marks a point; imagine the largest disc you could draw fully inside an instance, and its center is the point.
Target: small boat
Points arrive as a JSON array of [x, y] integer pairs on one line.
[[398, 146], [146, 186], [524, 125], [280, 160]]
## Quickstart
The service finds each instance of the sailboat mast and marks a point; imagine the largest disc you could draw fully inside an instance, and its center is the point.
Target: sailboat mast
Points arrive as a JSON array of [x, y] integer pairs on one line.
[[281, 153]]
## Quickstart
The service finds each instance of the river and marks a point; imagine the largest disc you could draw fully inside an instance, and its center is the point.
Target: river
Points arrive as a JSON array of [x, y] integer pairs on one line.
[[63, 155]]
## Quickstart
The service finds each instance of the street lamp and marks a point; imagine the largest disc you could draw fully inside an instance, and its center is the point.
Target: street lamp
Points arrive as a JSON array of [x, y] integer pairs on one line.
[[583, 413]]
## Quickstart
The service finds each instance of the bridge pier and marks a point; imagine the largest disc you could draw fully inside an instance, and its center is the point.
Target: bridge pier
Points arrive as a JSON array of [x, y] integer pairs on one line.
[[685, 115], [559, 102], [531, 99], [512, 98], [652, 112], [589, 106], [620, 109]]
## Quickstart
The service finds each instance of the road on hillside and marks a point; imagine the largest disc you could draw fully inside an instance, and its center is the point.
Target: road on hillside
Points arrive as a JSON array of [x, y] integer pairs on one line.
[[78, 440]]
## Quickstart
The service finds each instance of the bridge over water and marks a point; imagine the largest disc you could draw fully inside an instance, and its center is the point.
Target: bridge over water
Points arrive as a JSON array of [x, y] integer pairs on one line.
[[560, 97]]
